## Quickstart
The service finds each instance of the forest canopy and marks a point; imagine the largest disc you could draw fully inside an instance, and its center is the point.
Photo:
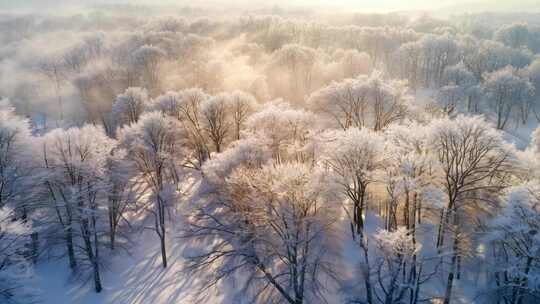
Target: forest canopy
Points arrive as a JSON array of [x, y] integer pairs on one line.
[[269, 154]]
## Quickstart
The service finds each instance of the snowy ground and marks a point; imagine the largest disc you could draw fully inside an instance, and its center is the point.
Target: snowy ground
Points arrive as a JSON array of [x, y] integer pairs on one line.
[[139, 278]]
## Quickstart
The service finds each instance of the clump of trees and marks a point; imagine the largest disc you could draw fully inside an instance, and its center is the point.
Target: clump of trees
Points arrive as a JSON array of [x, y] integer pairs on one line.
[[298, 161]]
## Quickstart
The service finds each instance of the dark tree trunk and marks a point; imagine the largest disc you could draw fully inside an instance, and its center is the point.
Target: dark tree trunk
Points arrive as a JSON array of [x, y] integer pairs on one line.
[[161, 230], [453, 264], [69, 244], [367, 276], [440, 232], [163, 252], [35, 247]]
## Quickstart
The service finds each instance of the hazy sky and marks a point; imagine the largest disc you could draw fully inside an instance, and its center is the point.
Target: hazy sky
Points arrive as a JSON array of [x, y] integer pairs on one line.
[[364, 5]]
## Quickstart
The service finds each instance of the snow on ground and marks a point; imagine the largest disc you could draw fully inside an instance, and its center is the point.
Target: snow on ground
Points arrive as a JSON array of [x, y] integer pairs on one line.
[[139, 278]]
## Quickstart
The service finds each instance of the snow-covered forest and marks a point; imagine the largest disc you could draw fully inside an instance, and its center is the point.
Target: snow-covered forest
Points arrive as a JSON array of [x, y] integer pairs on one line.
[[269, 155]]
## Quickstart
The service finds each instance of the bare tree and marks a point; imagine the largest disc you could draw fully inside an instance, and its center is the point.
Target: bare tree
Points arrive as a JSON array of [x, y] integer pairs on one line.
[[367, 101], [16, 160], [298, 61], [185, 106], [473, 159], [122, 193], [54, 69], [269, 227], [15, 269], [241, 106], [217, 123], [289, 131], [154, 146], [513, 234], [148, 58], [507, 91], [74, 163], [353, 157], [130, 105]]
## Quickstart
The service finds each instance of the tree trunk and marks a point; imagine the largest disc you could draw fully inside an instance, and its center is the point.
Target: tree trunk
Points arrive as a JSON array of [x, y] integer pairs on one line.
[[71, 251], [419, 210], [413, 233], [163, 251], [360, 209], [97, 277], [406, 210], [162, 233], [440, 233], [448, 293], [35, 247], [416, 287], [237, 131], [366, 272], [453, 265], [112, 225]]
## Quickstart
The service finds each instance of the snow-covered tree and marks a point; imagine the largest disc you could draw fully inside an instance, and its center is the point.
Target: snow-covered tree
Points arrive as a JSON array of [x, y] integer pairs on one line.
[[217, 122], [154, 146], [15, 269], [395, 253], [97, 88], [487, 56], [17, 160], [475, 163], [148, 58], [298, 61], [54, 70], [438, 52], [457, 82], [129, 106], [270, 229], [366, 101], [450, 97], [515, 237], [408, 172], [354, 156], [409, 63], [352, 63], [169, 103], [250, 152], [241, 105], [123, 193], [508, 92], [192, 120], [186, 107], [533, 73], [289, 131], [74, 168], [515, 35]]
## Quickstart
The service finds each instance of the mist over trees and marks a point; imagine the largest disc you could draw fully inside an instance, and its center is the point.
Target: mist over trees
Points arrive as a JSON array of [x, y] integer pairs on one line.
[[277, 156]]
